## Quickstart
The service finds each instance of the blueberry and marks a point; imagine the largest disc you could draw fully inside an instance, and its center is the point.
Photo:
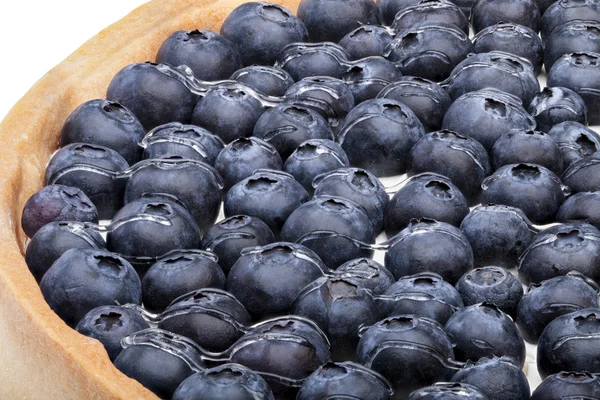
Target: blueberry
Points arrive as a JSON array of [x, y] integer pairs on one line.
[[575, 141], [53, 239], [261, 30], [554, 105], [195, 184], [333, 380], [425, 98], [178, 273], [367, 273], [152, 93], [460, 158], [82, 279], [212, 318], [210, 56], [491, 284], [107, 124], [366, 41], [431, 10], [332, 20], [498, 378], [582, 175], [378, 134], [268, 195], [411, 352], [482, 330], [109, 324], [511, 38], [175, 140], [426, 195], [428, 245], [330, 226], [559, 249], [302, 60], [534, 189], [429, 50], [92, 168], [229, 236], [368, 76], [267, 279], [424, 295], [581, 207], [564, 11], [552, 298], [286, 126], [389, 8], [315, 157], [486, 13], [563, 385], [521, 146], [268, 80], [448, 391], [358, 185], [56, 203], [570, 343], [498, 234], [240, 158], [571, 37], [225, 382], [228, 112], [485, 115]]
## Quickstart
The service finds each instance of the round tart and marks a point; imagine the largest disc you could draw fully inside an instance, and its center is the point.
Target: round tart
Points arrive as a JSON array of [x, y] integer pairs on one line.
[[40, 355]]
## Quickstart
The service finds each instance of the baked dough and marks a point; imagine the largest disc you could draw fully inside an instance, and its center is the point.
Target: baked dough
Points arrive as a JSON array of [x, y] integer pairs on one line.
[[40, 356]]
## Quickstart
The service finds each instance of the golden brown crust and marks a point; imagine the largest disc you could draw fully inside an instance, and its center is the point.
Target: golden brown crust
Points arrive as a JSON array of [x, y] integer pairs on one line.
[[40, 356]]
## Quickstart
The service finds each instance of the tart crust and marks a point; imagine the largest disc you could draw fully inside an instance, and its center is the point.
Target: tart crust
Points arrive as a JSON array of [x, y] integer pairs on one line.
[[40, 356]]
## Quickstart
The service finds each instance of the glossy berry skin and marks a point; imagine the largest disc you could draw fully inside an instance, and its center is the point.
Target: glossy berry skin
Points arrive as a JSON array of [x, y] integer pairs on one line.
[[482, 330], [315, 157], [303, 60], [564, 11], [55, 238], [552, 298], [286, 126], [554, 105], [497, 377], [176, 140], [448, 391], [368, 76], [460, 158], [345, 379], [431, 11], [367, 273], [498, 234], [581, 207], [426, 195], [408, 351], [84, 166], [532, 188], [366, 41], [212, 318], [268, 195], [267, 279], [566, 384], [210, 56], [229, 236], [82, 279], [271, 81], [332, 20], [328, 225], [559, 249], [389, 8], [358, 185], [571, 37], [240, 158], [56, 203], [425, 295], [486, 13], [570, 343], [485, 115], [229, 113], [494, 285], [575, 141], [152, 93], [179, 273], [582, 175], [225, 382], [426, 99], [111, 323], [429, 49], [195, 184], [428, 245], [107, 124], [534, 147], [378, 134], [511, 38]]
